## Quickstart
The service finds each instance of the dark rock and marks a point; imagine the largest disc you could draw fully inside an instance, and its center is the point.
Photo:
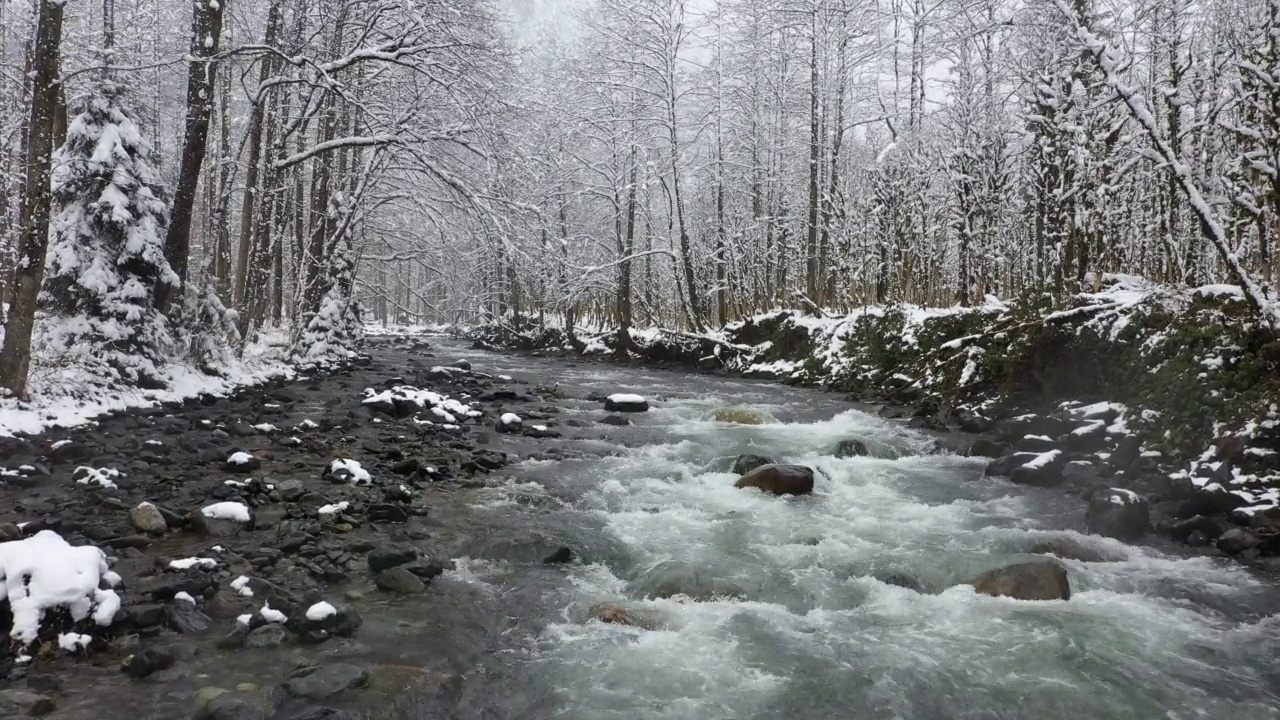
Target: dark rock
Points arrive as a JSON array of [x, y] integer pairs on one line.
[[426, 571], [269, 635], [1210, 501], [625, 403], [10, 532], [386, 513], [561, 556], [746, 463], [343, 623], [1035, 444], [925, 422], [216, 527], [319, 683], [1238, 540], [1182, 530], [140, 616], [1005, 465], [147, 518], [231, 706], [851, 447], [1017, 428], [410, 466], [779, 479], [1067, 550], [1081, 473], [710, 362], [901, 580], [1128, 449], [385, 557], [327, 713], [463, 364], [509, 423], [1088, 438], [615, 420], [400, 580], [186, 618], [1045, 470], [147, 661], [291, 490], [892, 412], [973, 422], [984, 447], [244, 465], [1118, 513], [1043, 579]]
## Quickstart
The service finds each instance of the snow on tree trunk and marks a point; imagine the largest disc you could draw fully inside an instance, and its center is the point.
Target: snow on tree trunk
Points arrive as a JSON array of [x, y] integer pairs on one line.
[[106, 255], [333, 335]]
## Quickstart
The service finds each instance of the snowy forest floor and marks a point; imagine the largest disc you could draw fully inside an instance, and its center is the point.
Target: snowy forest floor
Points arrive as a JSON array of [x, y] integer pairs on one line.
[[1185, 380]]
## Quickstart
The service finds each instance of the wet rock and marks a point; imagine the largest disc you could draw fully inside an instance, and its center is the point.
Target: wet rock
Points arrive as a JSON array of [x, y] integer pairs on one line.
[[231, 706], [1118, 513], [984, 447], [399, 580], [901, 580], [746, 463], [561, 556], [327, 713], [925, 422], [710, 362], [320, 683], [425, 570], [972, 422], [291, 490], [18, 703], [385, 557], [1127, 451], [676, 578], [626, 403], [1043, 470], [1088, 438], [1181, 530], [892, 412], [186, 618], [617, 614], [509, 423], [851, 447], [212, 522], [463, 364], [1005, 465], [269, 635], [779, 479], [147, 661], [1067, 550], [241, 462], [141, 616], [1035, 444], [1211, 500], [617, 420], [147, 518], [9, 532], [1017, 428], [739, 416], [1081, 473], [1044, 579], [1237, 540], [387, 513]]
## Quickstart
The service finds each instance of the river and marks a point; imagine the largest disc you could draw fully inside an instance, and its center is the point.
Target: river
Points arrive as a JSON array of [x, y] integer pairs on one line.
[[810, 618]]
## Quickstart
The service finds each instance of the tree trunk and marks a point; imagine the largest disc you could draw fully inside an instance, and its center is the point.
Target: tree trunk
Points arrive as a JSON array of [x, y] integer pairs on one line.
[[206, 32], [15, 356]]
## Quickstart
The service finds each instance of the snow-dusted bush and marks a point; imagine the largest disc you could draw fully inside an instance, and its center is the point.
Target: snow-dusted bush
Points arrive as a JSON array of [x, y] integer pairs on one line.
[[206, 327], [333, 335], [106, 253]]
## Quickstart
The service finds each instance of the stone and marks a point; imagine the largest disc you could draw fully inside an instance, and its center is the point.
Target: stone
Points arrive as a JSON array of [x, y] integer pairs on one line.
[[561, 556], [1128, 450], [851, 447], [626, 403], [985, 447], [616, 420], [399, 580], [925, 422], [217, 527], [1088, 438], [147, 518], [1043, 470], [1210, 501], [186, 618], [17, 703], [1237, 540], [710, 362], [744, 464], [1035, 444], [739, 416], [231, 706], [291, 490], [1042, 579], [1119, 514], [509, 423], [9, 532], [384, 512], [1005, 465], [327, 713], [1015, 429], [779, 479], [385, 557], [147, 661], [1081, 473], [1181, 530], [320, 683], [901, 580], [1067, 550], [269, 635], [616, 614]]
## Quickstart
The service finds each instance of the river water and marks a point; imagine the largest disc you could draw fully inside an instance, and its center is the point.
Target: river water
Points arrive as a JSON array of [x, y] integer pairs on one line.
[[809, 618]]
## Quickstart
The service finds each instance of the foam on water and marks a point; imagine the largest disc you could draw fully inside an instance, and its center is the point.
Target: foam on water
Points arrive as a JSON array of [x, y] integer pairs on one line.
[[808, 630]]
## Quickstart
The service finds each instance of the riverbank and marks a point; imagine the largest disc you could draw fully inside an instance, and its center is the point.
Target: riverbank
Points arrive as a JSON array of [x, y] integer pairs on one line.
[[1167, 394]]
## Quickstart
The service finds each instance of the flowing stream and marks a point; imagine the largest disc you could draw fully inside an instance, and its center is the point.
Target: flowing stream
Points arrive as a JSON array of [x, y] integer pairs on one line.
[[802, 610]]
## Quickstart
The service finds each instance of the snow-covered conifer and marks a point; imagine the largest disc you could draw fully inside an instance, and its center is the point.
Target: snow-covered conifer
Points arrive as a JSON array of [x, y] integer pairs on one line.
[[333, 335], [106, 254], [207, 328]]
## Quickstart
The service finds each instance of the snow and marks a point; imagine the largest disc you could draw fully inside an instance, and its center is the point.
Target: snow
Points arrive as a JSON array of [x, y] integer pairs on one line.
[[44, 572], [241, 585], [188, 563], [359, 476], [272, 615], [334, 508], [1043, 460], [245, 619], [1121, 496], [320, 611], [510, 419], [74, 642], [265, 428], [240, 458], [626, 399], [228, 510], [184, 596], [102, 477], [307, 424]]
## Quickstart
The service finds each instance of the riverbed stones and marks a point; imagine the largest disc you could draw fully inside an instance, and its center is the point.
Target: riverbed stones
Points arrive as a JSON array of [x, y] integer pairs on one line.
[[1118, 513], [851, 447], [147, 518], [744, 464], [625, 402], [779, 479], [1041, 579], [320, 683], [1237, 540]]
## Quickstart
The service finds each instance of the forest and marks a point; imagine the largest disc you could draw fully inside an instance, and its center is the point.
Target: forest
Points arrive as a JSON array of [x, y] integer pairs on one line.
[[192, 177]]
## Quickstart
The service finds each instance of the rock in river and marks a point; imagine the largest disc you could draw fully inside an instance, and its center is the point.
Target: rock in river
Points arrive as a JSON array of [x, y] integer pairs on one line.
[[1042, 579], [739, 416], [400, 580], [622, 402], [1118, 513], [746, 463], [318, 683], [779, 479], [147, 518], [852, 447]]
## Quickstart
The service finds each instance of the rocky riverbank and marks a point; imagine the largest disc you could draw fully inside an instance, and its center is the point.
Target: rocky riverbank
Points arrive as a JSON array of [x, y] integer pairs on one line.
[[1157, 407], [281, 553]]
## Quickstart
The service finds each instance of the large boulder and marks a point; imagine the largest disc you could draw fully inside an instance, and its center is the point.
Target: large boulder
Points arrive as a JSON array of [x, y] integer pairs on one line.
[[1040, 579], [1043, 470], [1118, 513], [779, 479], [851, 447], [622, 402], [744, 464], [1015, 429]]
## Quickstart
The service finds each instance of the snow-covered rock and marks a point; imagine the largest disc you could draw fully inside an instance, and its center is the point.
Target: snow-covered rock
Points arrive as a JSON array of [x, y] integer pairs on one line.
[[241, 462], [625, 402], [44, 572], [1118, 513], [345, 470], [509, 423], [222, 519], [99, 477]]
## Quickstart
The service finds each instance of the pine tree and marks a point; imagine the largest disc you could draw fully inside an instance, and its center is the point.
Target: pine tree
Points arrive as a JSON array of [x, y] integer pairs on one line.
[[333, 335], [106, 257], [207, 328]]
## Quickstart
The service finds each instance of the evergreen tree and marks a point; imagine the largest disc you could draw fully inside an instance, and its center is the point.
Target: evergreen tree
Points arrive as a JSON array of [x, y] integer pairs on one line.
[[333, 335], [207, 328], [106, 256]]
